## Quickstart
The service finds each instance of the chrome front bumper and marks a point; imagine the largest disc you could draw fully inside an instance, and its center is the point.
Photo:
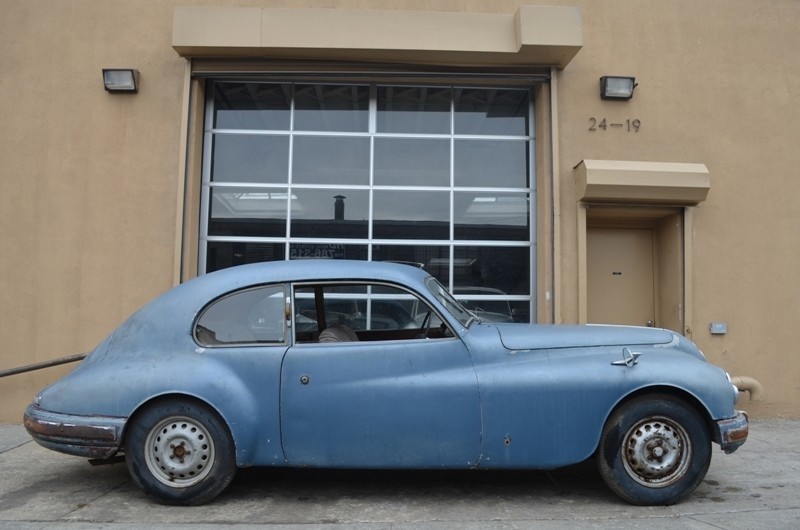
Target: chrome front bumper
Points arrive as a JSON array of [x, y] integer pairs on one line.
[[88, 436], [732, 432]]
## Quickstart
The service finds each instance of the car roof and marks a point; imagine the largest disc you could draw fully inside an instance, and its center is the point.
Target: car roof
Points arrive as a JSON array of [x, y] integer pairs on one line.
[[169, 316], [316, 269], [194, 294]]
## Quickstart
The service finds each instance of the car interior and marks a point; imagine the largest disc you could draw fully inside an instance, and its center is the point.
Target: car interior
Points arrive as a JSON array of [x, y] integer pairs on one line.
[[322, 313]]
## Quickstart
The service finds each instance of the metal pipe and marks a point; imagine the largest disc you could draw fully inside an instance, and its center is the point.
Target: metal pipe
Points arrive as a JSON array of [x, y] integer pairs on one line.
[[42, 365], [750, 385]]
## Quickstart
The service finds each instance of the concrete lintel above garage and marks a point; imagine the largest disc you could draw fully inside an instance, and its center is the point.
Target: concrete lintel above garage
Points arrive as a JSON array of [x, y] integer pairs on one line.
[[622, 181], [534, 35]]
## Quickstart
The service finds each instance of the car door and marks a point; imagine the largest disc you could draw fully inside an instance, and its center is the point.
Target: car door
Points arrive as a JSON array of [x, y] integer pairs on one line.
[[387, 400]]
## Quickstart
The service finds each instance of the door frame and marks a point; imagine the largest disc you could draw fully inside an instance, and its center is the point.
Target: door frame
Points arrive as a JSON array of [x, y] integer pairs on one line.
[[626, 187], [659, 218]]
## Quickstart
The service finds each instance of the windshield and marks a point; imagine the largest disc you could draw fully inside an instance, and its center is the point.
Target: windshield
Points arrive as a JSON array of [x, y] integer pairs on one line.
[[450, 303]]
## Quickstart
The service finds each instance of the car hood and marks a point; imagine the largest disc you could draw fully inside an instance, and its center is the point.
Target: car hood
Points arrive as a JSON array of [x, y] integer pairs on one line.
[[549, 336]]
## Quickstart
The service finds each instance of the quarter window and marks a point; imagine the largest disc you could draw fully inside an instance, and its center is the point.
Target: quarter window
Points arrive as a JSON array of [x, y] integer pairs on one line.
[[252, 316]]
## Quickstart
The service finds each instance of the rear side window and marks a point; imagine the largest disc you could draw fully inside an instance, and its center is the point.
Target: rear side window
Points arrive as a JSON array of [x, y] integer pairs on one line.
[[251, 316]]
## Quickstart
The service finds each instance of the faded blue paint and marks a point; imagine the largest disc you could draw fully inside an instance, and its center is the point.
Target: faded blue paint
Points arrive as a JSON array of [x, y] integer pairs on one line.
[[552, 403], [403, 404], [539, 337], [494, 396]]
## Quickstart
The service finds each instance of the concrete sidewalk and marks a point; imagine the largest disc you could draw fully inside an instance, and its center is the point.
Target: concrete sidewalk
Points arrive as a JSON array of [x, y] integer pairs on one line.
[[757, 487]]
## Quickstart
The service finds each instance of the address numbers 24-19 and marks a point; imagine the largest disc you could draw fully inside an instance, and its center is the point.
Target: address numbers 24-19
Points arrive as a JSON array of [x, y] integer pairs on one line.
[[603, 124]]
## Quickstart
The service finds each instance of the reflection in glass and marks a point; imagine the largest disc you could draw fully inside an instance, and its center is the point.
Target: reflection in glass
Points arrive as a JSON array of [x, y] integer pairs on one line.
[[360, 307], [411, 214], [322, 132], [492, 112], [412, 162], [327, 251], [491, 216], [252, 106], [478, 301], [492, 307], [253, 212], [414, 110], [432, 258], [330, 160], [506, 270], [250, 158], [491, 163], [383, 308], [224, 254], [521, 310], [250, 316], [330, 213], [341, 108]]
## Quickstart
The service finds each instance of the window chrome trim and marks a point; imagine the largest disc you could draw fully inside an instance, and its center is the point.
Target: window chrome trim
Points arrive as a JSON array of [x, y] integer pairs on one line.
[[245, 344]]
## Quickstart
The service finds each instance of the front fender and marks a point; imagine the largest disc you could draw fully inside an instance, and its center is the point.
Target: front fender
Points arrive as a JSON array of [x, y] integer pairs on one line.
[[547, 408]]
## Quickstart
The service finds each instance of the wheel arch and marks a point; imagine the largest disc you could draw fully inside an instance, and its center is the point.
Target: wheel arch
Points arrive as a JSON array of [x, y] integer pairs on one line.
[[678, 393], [243, 445]]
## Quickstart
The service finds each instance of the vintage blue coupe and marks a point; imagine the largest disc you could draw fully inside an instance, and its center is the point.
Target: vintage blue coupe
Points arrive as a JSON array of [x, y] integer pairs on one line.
[[348, 364]]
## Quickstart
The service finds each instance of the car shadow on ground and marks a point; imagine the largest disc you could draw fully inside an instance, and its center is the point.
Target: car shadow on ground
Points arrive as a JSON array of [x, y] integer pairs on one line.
[[315, 485]]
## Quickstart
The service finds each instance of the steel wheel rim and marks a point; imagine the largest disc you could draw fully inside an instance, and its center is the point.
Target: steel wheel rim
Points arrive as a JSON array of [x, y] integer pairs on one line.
[[656, 452], [179, 452]]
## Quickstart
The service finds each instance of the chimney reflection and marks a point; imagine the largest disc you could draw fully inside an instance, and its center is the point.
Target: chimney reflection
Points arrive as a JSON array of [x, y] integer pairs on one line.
[[338, 208]]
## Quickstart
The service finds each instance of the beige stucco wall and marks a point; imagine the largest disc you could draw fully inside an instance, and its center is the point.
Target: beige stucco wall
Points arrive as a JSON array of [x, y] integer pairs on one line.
[[718, 85], [90, 181]]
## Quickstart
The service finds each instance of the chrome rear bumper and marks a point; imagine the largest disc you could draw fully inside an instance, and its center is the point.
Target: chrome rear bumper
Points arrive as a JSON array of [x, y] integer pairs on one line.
[[88, 436]]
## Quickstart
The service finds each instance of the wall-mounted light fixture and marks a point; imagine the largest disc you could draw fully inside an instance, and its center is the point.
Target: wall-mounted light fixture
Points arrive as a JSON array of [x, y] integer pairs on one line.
[[121, 79], [617, 87]]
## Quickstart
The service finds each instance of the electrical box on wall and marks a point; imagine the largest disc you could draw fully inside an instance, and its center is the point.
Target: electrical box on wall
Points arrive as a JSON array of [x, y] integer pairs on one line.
[[718, 328]]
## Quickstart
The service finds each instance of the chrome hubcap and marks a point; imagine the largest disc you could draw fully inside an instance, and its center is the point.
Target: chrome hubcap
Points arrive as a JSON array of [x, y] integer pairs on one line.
[[656, 452], [179, 452]]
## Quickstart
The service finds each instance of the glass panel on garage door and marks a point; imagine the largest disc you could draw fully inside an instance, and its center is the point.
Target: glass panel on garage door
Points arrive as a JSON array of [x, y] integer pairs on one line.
[[439, 177]]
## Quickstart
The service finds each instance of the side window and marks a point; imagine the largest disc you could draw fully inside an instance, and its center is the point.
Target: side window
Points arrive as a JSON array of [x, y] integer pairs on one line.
[[358, 312], [251, 316]]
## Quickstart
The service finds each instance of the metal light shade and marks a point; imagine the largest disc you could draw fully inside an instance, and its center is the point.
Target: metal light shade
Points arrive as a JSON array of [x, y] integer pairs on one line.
[[617, 87], [121, 79]]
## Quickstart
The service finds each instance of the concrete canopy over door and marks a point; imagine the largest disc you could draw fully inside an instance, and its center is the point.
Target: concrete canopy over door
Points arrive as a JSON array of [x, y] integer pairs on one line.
[[534, 35]]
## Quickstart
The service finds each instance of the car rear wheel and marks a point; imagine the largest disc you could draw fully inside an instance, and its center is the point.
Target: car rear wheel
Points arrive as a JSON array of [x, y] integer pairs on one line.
[[180, 452], [654, 450]]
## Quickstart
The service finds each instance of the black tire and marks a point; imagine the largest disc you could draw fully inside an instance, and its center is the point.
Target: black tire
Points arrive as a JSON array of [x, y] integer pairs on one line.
[[180, 452], [654, 450]]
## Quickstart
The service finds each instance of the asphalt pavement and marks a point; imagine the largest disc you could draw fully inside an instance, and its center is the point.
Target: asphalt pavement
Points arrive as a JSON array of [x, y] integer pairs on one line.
[[756, 487]]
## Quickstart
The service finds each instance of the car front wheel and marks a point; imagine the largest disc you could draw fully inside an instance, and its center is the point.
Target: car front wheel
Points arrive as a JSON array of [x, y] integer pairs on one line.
[[180, 452], [654, 450]]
